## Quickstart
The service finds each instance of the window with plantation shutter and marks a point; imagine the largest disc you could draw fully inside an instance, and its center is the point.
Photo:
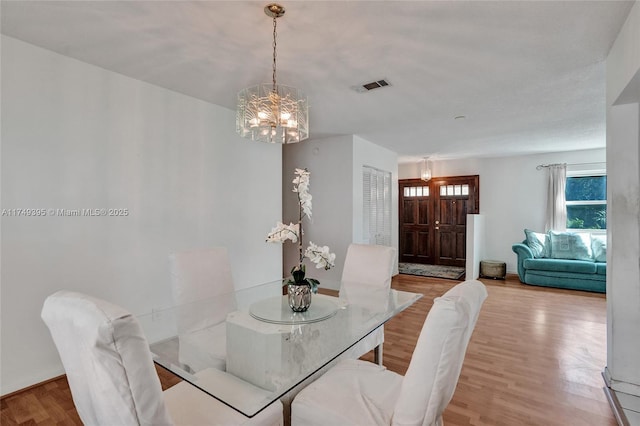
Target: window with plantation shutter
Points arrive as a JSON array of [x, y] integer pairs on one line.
[[376, 206]]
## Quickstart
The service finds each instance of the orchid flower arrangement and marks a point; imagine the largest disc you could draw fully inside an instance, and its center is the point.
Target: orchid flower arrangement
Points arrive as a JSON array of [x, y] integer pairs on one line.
[[321, 256]]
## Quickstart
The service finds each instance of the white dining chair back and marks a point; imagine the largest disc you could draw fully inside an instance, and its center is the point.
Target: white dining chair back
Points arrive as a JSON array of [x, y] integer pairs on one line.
[[107, 361], [366, 277], [198, 275], [202, 288], [432, 376], [357, 392], [111, 373], [366, 282]]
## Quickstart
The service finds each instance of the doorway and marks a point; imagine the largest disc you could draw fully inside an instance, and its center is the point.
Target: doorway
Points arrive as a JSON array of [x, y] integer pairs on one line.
[[433, 218]]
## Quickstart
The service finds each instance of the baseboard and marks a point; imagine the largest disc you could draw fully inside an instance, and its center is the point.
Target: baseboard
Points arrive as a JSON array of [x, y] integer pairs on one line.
[[620, 386], [615, 392], [35, 385], [618, 412], [606, 377]]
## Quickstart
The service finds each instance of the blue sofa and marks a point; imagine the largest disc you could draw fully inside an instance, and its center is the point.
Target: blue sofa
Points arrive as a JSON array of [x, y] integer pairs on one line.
[[561, 273]]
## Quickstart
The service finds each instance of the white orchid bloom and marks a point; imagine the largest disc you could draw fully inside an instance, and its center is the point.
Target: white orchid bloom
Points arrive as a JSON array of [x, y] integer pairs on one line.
[[301, 181], [305, 203], [331, 259], [302, 188], [321, 256], [282, 233]]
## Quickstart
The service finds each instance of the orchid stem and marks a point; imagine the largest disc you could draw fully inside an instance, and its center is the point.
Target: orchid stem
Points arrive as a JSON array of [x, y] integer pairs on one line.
[[300, 232]]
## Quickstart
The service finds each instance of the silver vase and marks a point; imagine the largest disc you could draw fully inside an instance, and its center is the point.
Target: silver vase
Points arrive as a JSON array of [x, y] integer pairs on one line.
[[299, 297]]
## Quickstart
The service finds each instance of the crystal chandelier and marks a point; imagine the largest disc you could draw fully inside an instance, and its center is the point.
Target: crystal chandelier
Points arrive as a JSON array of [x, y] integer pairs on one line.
[[270, 112]]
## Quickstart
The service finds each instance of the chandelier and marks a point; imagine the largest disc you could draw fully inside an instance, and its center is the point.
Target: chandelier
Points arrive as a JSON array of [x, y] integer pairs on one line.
[[271, 112], [425, 169]]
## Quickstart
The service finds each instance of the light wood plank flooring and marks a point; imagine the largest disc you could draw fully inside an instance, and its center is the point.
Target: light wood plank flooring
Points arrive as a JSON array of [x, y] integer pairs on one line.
[[534, 359]]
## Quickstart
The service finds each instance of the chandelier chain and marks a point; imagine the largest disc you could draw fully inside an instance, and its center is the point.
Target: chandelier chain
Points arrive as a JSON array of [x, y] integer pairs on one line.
[[274, 52]]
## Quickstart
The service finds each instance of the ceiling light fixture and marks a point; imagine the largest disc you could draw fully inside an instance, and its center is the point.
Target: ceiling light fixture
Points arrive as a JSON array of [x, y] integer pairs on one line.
[[270, 112], [425, 169]]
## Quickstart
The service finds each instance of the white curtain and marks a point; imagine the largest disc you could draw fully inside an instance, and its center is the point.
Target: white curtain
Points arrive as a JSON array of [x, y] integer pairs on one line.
[[556, 203]]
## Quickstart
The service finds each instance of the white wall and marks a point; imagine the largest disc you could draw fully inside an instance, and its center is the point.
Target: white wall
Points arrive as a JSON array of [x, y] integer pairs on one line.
[[77, 136], [512, 193], [330, 162], [335, 164], [476, 242], [623, 192], [366, 153], [623, 61]]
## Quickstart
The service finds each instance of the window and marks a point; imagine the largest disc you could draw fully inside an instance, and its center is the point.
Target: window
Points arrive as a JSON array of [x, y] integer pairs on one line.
[[454, 190], [586, 197], [416, 191], [377, 205]]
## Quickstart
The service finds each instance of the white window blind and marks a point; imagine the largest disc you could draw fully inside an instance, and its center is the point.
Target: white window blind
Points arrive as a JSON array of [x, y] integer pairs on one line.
[[377, 206]]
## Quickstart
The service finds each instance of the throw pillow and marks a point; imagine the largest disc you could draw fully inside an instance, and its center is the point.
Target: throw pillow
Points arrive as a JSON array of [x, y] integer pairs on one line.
[[599, 247], [538, 243], [569, 245]]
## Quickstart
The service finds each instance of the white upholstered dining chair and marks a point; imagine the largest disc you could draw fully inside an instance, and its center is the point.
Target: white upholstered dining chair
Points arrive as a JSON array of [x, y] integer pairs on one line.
[[366, 281], [356, 392], [202, 275], [111, 373]]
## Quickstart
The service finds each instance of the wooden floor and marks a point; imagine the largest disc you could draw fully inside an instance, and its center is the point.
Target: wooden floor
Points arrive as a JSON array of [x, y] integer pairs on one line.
[[534, 359]]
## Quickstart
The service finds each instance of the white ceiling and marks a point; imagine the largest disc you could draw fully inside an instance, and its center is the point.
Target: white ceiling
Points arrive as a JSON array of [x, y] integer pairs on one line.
[[528, 76]]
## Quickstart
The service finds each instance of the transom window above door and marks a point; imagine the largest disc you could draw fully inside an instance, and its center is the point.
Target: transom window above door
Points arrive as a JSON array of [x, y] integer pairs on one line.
[[454, 190], [416, 191]]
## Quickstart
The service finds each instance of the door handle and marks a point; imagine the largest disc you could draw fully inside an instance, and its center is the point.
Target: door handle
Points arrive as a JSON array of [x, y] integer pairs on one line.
[[437, 227], [437, 222]]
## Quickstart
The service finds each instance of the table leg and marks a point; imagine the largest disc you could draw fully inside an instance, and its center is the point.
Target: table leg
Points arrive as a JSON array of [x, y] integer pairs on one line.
[[377, 354]]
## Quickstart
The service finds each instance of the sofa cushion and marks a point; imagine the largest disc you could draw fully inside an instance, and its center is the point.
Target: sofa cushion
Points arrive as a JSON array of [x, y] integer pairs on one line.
[[560, 265], [601, 268], [537, 242], [599, 247], [569, 245], [585, 282]]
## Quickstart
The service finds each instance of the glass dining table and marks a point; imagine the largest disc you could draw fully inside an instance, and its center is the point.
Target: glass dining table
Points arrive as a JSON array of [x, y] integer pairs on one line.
[[248, 349]]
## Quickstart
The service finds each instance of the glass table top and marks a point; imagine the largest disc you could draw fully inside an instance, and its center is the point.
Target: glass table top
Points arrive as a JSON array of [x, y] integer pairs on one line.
[[246, 350]]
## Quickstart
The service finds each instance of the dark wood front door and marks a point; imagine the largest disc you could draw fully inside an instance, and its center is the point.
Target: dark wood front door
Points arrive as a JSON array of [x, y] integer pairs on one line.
[[433, 219]]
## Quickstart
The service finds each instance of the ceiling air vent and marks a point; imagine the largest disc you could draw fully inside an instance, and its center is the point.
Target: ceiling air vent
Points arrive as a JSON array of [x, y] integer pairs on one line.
[[370, 86]]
